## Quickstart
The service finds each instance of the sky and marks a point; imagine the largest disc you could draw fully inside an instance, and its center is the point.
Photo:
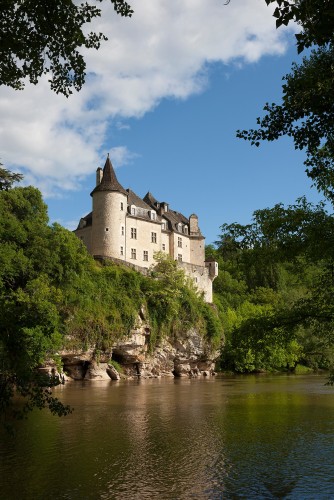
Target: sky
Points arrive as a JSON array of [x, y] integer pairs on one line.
[[164, 96]]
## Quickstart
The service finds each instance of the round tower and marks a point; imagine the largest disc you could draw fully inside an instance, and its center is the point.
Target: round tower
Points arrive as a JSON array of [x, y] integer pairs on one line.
[[109, 215]]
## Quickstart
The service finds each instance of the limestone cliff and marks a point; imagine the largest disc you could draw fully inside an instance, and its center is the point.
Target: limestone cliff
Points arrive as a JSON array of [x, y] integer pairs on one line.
[[186, 355]]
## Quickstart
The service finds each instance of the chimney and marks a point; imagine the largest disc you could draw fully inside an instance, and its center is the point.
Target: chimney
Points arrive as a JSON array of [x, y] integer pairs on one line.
[[193, 224], [99, 174]]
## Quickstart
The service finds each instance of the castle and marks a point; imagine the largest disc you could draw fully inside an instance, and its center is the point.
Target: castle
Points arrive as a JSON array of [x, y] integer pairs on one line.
[[124, 227]]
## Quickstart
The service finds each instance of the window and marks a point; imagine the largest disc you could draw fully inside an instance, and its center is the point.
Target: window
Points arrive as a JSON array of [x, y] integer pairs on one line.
[[122, 251], [153, 237], [133, 253], [133, 233], [133, 210], [122, 206], [185, 229], [107, 228], [163, 225], [122, 230], [163, 246], [153, 215], [179, 242], [179, 257], [145, 256]]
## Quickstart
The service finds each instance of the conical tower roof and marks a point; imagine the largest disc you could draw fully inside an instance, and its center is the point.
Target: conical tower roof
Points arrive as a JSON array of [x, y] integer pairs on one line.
[[109, 180]]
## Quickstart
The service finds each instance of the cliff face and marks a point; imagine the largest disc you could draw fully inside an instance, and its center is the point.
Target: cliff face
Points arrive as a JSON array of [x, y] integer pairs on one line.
[[187, 355]]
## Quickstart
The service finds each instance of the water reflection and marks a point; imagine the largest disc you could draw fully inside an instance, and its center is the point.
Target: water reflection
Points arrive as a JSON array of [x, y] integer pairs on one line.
[[238, 437]]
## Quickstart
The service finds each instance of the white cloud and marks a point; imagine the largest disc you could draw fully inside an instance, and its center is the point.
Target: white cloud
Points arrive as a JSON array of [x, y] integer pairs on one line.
[[162, 51]]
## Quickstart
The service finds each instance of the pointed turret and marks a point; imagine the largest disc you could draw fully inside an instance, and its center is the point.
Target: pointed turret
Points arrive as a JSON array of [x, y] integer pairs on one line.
[[110, 201], [109, 180]]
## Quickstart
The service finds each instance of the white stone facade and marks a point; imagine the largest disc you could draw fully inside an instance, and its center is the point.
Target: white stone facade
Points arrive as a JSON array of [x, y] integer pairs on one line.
[[125, 227]]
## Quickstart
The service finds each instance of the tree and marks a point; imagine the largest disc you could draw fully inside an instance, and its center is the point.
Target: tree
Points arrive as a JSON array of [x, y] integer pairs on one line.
[[37, 262], [8, 178], [39, 37], [315, 17], [307, 110], [299, 229], [286, 258]]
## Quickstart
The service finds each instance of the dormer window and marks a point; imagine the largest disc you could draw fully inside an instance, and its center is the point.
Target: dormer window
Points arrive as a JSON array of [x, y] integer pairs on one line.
[[179, 227], [153, 215], [133, 210], [163, 226], [185, 229]]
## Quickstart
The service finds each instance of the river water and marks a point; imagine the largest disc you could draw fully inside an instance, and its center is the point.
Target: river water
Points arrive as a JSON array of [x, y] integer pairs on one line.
[[251, 437]]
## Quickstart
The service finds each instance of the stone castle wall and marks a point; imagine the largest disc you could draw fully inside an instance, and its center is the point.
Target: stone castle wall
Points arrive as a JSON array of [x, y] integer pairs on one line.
[[201, 277]]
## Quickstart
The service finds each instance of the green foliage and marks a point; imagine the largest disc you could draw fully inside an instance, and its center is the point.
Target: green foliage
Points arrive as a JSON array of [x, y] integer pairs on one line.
[[284, 311], [101, 305], [302, 370], [213, 325], [29, 300], [7, 178], [116, 365], [164, 291], [174, 304], [315, 17], [46, 37]]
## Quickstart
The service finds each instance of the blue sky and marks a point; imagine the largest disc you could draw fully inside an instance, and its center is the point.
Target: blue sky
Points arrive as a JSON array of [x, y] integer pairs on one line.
[[168, 116]]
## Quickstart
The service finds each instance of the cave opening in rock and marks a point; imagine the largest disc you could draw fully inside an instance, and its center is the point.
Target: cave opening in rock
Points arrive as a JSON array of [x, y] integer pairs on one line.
[[85, 366], [118, 358]]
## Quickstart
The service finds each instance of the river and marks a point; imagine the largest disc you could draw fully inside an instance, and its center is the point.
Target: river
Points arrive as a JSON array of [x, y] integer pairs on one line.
[[250, 437]]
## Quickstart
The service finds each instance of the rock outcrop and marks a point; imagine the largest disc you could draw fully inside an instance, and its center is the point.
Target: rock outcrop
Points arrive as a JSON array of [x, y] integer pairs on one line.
[[186, 355]]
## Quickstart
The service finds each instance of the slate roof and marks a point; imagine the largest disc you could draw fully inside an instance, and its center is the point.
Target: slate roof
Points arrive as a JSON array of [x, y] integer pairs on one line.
[[175, 218], [88, 219], [133, 199], [150, 200], [109, 180]]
